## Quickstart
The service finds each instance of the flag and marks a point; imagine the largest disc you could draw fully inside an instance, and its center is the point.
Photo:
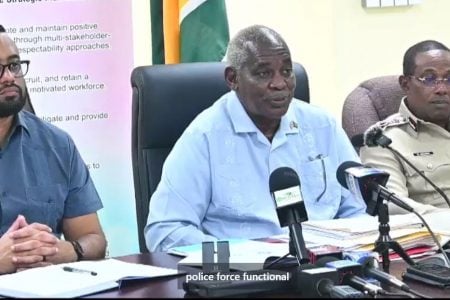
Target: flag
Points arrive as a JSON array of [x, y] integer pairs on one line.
[[188, 30]]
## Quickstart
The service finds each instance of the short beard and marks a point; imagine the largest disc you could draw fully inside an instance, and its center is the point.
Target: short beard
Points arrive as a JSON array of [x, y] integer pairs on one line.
[[10, 106]]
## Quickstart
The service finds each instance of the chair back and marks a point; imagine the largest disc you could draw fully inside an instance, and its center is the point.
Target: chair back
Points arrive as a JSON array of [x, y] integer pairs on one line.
[[165, 99], [371, 101], [28, 106]]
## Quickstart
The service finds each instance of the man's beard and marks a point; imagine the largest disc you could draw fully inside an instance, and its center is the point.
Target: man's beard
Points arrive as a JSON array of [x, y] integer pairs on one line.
[[12, 105]]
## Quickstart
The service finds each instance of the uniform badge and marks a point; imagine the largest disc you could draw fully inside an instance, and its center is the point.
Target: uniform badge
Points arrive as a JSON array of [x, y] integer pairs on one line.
[[293, 125], [424, 153]]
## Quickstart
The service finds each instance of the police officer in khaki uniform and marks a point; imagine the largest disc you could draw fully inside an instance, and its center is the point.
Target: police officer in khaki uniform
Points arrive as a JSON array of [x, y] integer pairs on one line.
[[419, 131]]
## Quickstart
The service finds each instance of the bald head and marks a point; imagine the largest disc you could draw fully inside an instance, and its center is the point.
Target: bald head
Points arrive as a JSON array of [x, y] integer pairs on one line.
[[8, 48], [245, 44]]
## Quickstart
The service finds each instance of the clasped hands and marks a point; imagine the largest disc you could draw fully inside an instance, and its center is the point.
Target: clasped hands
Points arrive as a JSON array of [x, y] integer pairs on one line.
[[26, 246]]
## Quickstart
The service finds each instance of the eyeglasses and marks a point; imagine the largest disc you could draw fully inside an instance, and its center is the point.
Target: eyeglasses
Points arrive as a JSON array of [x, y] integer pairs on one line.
[[17, 68], [433, 81]]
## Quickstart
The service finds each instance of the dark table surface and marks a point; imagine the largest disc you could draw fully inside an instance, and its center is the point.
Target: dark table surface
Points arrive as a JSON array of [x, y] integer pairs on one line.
[[169, 287]]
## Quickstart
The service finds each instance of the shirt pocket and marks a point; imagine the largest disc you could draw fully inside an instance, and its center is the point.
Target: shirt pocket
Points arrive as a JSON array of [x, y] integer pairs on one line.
[[317, 180], [231, 189], [46, 205], [435, 169]]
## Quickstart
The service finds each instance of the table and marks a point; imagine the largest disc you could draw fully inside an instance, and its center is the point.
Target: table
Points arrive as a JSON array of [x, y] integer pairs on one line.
[[168, 287]]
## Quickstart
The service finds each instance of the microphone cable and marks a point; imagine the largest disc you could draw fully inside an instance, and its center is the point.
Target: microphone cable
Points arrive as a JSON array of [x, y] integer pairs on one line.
[[275, 261], [433, 236]]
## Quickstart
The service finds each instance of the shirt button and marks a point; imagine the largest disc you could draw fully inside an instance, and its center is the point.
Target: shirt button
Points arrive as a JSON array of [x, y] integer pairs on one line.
[[430, 166]]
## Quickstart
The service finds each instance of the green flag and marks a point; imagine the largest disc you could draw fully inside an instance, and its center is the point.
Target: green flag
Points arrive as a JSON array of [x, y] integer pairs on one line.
[[189, 31]]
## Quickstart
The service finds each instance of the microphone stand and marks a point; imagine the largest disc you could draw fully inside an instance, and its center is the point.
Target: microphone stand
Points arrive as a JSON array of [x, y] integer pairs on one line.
[[297, 246], [385, 242]]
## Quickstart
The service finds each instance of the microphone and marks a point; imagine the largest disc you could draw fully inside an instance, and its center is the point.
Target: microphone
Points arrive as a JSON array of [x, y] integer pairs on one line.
[[321, 282], [357, 140], [285, 189], [349, 274], [369, 265], [367, 184], [374, 137]]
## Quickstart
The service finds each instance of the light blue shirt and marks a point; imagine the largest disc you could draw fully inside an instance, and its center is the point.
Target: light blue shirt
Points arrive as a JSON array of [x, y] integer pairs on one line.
[[215, 181], [43, 177]]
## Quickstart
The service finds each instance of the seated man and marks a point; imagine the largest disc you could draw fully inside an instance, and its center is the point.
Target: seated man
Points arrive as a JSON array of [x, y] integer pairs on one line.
[[45, 187], [215, 181], [419, 131]]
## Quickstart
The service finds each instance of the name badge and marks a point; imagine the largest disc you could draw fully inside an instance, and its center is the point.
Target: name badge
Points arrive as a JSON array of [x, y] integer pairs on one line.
[[426, 153]]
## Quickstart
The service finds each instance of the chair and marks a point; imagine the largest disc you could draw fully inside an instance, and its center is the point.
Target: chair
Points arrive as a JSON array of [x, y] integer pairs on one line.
[[166, 98], [28, 106], [371, 101]]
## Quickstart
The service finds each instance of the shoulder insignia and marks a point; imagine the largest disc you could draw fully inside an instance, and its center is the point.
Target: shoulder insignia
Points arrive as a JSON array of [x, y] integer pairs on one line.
[[393, 120], [412, 123]]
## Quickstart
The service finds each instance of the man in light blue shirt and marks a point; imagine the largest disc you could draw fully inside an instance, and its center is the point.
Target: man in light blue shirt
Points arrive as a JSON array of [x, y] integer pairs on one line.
[[215, 182]]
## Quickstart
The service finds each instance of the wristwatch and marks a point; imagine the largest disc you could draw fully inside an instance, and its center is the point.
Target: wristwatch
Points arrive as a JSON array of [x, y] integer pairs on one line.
[[78, 250]]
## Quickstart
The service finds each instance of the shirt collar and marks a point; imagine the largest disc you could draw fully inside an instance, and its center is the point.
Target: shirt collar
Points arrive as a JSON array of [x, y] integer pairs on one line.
[[404, 111], [242, 122], [20, 121]]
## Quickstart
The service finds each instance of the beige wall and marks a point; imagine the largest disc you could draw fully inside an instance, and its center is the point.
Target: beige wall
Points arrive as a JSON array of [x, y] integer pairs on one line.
[[339, 42]]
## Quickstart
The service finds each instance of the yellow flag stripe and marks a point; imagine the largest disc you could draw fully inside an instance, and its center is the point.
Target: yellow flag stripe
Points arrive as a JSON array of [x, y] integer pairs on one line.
[[171, 26]]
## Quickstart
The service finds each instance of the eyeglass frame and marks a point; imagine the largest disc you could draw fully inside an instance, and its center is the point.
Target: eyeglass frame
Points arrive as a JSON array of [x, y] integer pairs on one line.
[[8, 66], [436, 81]]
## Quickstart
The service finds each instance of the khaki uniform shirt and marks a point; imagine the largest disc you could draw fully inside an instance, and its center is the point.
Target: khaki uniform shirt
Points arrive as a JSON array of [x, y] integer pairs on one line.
[[426, 146]]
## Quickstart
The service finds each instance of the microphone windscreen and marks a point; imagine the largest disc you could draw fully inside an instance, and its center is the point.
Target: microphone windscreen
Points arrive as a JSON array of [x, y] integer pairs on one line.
[[371, 134], [283, 178], [357, 140], [374, 137], [341, 174]]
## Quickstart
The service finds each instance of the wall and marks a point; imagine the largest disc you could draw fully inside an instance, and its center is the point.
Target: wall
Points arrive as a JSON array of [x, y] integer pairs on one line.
[[338, 41]]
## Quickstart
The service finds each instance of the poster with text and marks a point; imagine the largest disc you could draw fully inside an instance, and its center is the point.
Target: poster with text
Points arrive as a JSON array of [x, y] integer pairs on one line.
[[81, 54]]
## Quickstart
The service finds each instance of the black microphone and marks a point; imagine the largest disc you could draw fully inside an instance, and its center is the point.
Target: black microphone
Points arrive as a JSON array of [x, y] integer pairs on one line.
[[322, 283], [370, 269], [357, 140], [368, 184], [349, 274], [374, 137], [285, 189]]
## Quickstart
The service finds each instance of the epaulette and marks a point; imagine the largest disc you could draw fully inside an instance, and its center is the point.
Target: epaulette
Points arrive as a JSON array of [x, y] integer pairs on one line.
[[392, 120]]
